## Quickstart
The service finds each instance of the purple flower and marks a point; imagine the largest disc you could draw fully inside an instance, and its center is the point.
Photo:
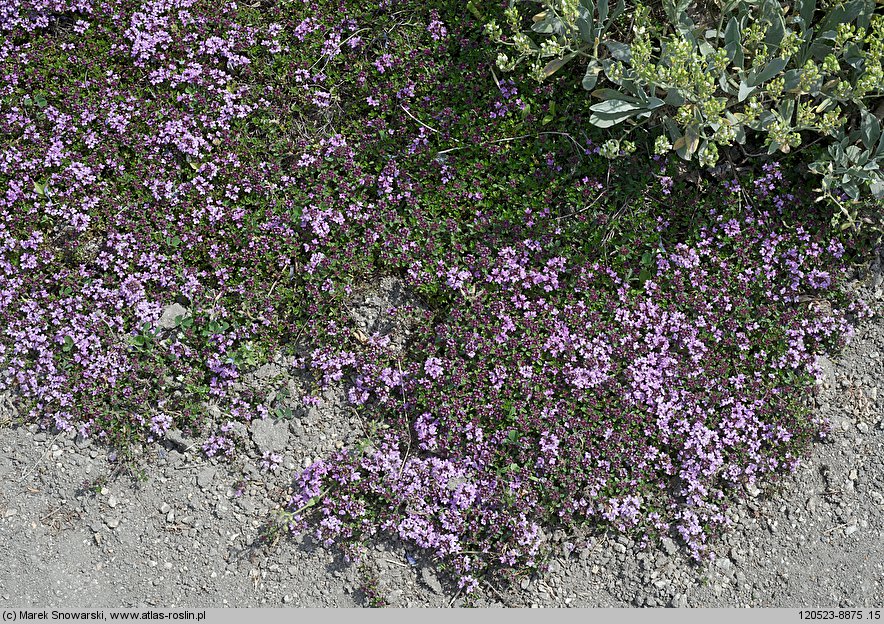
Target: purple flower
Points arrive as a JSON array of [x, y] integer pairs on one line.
[[433, 367], [437, 30], [383, 63], [270, 462]]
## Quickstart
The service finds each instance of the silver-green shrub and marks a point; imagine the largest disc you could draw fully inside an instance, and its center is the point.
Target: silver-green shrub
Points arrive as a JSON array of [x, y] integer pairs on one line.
[[757, 65]]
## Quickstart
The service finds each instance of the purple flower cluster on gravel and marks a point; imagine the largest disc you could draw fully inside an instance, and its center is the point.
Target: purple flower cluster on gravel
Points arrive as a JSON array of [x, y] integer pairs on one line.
[[113, 182], [556, 392]]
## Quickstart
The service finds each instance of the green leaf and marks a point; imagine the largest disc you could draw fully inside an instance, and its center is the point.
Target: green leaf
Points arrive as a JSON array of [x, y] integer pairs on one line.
[[773, 67], [692, 135], [549, 25], [654, 103], [879, 152], [853, 152], [556, 64], [672, 129], [585, 25], [775, 32], [675, 10], [40, 101], [850, 187], [612, 94], [591, 77], [732, 44], [790, 80], [837, 154], [679, 147], [608, 64], [68, 344], [471, 7], [853, 56], [686, 146], [606, 121], [318, 497], [869, 128], [863, 161], [603, 11], [822, 45], [745, 91], [40, 189], [614, 107], [867, 11], [705, 48], [298, 208], [619, 51], [183, 321], [806, 9], [787, 110], [674, 98], [841, 14], [725, 85]]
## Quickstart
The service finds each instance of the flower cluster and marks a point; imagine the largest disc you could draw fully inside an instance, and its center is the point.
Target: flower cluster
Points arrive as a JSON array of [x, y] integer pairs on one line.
[[571, 395]]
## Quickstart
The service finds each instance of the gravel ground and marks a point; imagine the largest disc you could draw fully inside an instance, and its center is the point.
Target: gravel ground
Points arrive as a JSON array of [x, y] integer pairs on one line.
[[75, 531]]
